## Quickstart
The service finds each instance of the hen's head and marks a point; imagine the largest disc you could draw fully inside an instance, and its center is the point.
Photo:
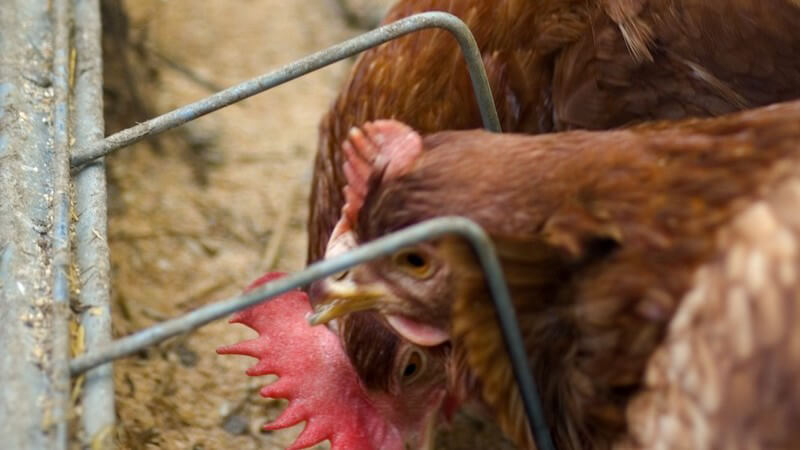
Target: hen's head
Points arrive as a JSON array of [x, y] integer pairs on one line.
[[323, 388], [434, 293], [396, 178], [407, 381], [400, 287]]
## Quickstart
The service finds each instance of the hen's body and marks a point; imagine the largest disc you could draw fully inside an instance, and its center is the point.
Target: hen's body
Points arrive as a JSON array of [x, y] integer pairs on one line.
[[553, 65], [601, 235], [564, 64]]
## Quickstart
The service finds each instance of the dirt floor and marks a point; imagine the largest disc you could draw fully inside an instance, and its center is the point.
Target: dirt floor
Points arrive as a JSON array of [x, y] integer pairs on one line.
[[203, 210], [200, 211]]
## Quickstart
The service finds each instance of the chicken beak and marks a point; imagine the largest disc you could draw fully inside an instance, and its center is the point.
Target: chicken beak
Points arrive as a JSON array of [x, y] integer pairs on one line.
[[339, 298]]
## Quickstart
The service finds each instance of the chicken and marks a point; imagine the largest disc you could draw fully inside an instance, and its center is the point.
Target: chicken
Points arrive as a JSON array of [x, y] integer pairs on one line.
[[563, 64], [602, 237], [552, 65]]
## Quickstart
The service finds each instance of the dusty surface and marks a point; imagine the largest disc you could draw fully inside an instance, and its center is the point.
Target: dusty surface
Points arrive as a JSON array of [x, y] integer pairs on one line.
[[194, 213], [199, 212]]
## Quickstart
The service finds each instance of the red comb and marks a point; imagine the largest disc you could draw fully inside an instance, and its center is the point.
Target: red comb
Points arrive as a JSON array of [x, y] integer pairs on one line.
[[386, 145], [314, 375]]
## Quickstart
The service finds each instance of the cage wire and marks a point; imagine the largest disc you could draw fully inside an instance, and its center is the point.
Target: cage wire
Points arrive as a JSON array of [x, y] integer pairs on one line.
[[65, 118]]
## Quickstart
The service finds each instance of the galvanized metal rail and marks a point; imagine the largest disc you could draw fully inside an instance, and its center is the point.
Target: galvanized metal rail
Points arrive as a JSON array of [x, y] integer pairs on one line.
[[34, 241], [38, 150]]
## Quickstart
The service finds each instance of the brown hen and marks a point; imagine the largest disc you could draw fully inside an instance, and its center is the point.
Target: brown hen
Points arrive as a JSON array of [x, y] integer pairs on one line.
[[552, 65], [602, 236], [563, 64]]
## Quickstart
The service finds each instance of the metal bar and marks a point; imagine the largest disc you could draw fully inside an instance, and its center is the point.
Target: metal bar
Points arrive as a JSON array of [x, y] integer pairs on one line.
[[308, 64], [59, 326], [380, 247], [35, 387], [91, 227]]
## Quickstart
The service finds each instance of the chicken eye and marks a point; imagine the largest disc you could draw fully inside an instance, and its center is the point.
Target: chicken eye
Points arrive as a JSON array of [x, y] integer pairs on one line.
[[413, 366], [415, 263], [415, 260]]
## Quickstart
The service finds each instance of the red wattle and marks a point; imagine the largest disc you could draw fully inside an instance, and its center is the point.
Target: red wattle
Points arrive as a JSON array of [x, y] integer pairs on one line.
[[314, 375]]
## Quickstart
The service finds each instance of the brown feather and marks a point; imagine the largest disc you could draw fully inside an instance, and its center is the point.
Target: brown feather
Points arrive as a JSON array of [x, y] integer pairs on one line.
[[725, 376]]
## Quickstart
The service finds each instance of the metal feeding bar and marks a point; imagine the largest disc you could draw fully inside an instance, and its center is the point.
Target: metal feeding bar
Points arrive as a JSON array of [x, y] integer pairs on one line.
[[303, 66], [91, 243]]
